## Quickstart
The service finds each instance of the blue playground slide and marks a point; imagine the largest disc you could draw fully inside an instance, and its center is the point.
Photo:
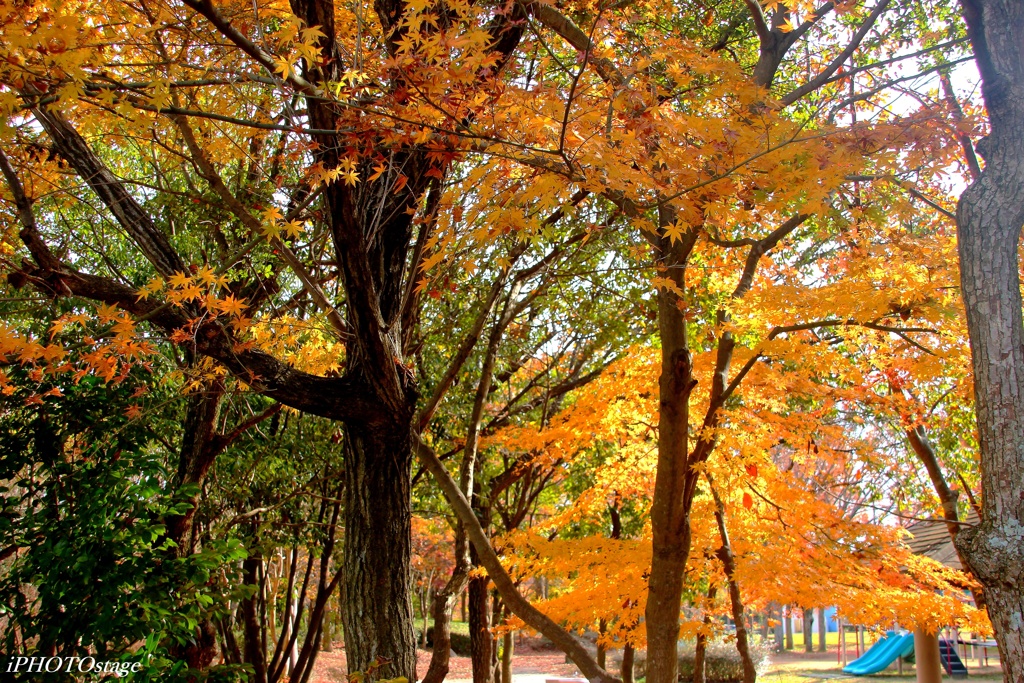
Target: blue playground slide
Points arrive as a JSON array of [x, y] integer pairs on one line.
[[882, 654]]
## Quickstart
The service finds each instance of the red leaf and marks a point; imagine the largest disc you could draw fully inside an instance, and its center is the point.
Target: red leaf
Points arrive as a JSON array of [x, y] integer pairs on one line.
[[752, 470], [748, 501]]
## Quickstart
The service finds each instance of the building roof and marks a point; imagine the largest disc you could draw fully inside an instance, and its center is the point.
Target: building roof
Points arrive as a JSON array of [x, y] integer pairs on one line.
[[931, 539]]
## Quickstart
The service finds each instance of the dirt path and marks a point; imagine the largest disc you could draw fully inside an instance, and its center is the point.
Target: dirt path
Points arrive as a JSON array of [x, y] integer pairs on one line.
[[531, 657]]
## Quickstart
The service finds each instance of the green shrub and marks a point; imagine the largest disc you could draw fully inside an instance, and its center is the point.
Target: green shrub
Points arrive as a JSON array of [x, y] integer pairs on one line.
[[722, 663], [460, 642]]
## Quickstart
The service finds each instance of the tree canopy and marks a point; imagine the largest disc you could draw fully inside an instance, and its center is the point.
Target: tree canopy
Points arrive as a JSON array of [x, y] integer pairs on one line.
[[656, 302]]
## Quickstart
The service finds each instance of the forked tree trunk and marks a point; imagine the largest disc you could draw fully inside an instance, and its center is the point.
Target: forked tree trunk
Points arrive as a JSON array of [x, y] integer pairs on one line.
[[443, 605], [989, 220], [377, 612]]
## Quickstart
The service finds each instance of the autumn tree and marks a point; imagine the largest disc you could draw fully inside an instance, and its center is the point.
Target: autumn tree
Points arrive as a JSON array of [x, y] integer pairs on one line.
[[372, 230], [549, 334], [989, 219], [329, 144]]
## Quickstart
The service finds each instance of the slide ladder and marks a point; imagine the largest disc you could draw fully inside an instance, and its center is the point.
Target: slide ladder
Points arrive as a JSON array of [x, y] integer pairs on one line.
[[950, 660]]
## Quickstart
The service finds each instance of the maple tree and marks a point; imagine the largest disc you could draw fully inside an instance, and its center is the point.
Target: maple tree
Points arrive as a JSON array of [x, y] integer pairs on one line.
[[308, 185]]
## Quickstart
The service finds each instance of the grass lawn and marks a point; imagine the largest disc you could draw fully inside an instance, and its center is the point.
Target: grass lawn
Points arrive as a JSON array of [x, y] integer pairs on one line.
[[800, 667], [832, 639], [908, 676]]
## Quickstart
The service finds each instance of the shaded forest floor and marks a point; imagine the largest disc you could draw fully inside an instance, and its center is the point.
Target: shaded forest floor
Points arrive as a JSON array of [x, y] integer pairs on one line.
[[534, 656]]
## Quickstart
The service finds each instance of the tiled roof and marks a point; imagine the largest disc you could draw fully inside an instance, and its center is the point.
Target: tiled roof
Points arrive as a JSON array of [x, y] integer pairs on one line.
[[931, 539]]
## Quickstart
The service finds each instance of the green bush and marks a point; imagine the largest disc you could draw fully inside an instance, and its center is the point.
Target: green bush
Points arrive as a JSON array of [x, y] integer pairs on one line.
[[83, 500], [722, 662], [460, 642]]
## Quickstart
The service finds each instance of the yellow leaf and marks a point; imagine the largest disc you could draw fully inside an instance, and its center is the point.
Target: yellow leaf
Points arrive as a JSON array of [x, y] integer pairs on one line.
[[283, 67]]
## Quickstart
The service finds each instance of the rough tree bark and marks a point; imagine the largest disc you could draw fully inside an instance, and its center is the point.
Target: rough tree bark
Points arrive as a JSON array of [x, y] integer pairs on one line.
[[480, 640], [378, 613], [990, 215]]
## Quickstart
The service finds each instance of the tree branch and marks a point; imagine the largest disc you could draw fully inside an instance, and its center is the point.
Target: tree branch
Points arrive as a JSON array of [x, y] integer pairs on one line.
[[209, 173], [562, 25], [132, 217], [826, 73]]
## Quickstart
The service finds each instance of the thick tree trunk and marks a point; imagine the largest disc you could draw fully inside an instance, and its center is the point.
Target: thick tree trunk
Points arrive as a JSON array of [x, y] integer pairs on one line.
[[989, 220], [378, 613]]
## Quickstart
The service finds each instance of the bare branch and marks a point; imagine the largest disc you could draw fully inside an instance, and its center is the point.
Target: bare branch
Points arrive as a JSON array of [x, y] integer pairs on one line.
[[128, 212], [826, 73]]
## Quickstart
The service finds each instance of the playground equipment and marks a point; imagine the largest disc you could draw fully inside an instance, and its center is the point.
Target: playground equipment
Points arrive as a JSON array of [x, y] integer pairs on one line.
[[883, 653], [895, 646], [950, 660]]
